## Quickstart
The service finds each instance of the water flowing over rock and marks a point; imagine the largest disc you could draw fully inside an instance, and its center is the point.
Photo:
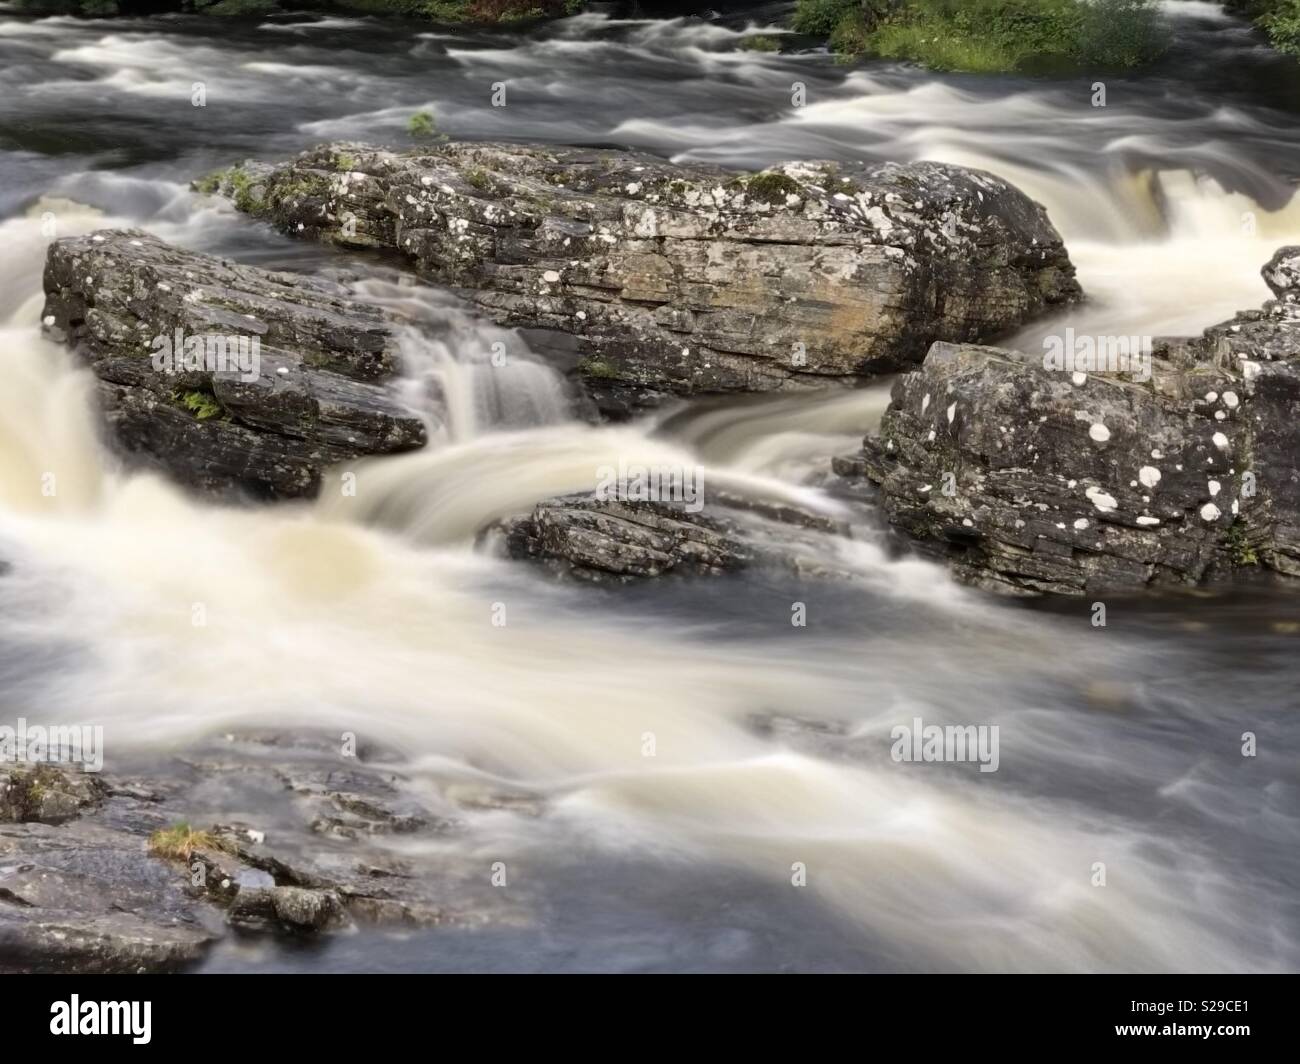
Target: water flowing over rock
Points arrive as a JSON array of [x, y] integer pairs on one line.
[[618, 540], [652, 279], [1034, 479], [286, 379]]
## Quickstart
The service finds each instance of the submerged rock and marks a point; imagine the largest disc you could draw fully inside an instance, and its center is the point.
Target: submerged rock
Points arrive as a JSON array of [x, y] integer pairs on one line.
[[652, 278], [1032, 479], [227, 377]]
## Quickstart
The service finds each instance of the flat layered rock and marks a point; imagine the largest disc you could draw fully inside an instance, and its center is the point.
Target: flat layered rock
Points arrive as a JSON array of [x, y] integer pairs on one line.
[[80, 895], [87, 886], [657, 279], [289, 375], [619, 540], [1037, 479]]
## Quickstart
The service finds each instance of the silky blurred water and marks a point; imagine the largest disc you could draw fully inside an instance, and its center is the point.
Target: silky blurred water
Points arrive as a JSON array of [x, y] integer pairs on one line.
[[1119, 745]]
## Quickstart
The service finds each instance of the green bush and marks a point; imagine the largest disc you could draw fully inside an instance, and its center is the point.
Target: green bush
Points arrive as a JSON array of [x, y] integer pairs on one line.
[[993, 35], [1121, 33], [820, 17], [421, 125], [1282, 24]]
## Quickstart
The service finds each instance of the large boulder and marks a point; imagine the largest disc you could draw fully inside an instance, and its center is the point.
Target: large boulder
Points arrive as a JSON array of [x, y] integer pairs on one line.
[[1033, 479], [218, 418], [652, 278]]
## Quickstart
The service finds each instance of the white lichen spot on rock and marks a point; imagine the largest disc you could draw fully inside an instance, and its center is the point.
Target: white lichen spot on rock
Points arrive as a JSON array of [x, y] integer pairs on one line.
[[1148, 521], [1210, 512], [1081, 524], [1099, 432], [1079, 378], [1149, 475], [925, 403], [952, 412], [1215, 488], [1104, 501], [1220, 441], [550, 277], [1230, 400]]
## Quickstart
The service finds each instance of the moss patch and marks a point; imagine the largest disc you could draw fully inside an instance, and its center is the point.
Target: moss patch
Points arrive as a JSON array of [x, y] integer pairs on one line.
[[598, 367], [772, 188], [1239, 546]]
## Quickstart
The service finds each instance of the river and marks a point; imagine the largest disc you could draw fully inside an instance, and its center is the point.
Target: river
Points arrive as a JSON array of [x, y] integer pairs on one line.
[[1119, 745]]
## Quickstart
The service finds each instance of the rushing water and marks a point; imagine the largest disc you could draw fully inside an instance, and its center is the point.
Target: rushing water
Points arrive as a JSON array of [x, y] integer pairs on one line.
[[374, 613]]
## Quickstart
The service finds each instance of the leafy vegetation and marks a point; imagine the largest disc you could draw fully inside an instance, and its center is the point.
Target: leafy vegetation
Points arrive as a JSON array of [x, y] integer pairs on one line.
[[1280, 19], [421, 125], [202, 405], [760, 42], [987, 36]]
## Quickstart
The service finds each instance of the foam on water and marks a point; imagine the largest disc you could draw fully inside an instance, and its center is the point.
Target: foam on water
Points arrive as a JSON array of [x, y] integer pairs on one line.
[[374, 613]]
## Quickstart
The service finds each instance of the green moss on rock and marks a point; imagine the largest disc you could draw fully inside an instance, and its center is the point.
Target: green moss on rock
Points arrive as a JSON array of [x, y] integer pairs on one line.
[[772, 188]]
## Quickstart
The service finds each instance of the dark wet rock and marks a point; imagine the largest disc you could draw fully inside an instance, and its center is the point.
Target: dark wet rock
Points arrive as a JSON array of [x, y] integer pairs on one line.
[[295, 909], [1038, 480], [49, 794], [314, 396], [87, 893], [84, 896], [618, 540], [662, 279], [604, 540], [1282, 274]]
